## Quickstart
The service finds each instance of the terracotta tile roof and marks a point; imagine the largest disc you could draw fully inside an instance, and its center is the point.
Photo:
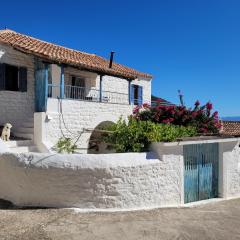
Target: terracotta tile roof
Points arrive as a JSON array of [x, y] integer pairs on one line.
[[60, 54], [231, 128]]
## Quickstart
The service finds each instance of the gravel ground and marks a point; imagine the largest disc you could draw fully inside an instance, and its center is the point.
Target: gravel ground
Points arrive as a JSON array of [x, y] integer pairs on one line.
[[220, 220]]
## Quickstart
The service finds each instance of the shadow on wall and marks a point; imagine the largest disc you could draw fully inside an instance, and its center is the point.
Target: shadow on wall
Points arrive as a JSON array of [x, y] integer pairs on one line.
[[96, 144]]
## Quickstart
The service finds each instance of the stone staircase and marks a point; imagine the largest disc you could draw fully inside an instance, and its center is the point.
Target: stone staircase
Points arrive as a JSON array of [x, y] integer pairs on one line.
[[25, 131], [22, 138]]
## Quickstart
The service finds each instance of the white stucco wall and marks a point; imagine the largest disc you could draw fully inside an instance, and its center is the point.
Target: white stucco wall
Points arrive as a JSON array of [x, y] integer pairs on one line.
[[230, 169], [119, 181], [125, 181], [114, 84], [76, 116], [16, 107]]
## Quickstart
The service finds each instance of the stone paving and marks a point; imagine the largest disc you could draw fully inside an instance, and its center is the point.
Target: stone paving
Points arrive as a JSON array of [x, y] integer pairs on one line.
[[219, 220]]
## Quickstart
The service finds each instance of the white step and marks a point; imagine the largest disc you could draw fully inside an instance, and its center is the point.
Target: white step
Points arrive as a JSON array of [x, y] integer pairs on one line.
[[23, 135], [25, 130], [24, 149], [27, 124], [19, 143]]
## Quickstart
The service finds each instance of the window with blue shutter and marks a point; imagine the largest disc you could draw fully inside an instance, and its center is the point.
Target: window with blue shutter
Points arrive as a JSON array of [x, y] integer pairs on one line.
[[132, 94], [136, 94], [140, 95]]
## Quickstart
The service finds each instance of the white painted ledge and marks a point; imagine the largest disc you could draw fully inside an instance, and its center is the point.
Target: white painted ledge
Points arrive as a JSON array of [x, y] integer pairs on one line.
[[196, 141]]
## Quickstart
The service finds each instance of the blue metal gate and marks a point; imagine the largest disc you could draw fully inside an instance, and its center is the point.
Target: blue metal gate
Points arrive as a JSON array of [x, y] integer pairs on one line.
[[200, 171]]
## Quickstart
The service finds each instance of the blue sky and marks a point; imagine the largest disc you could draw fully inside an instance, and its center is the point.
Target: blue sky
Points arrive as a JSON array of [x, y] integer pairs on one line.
[[189, 45]]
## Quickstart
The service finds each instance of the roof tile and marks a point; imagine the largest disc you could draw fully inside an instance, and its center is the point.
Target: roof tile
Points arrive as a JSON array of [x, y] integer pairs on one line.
[[231, 128], [68, 56]]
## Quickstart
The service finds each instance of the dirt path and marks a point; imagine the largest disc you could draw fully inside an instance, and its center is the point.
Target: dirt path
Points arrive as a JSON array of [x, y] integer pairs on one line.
[[212, 221]]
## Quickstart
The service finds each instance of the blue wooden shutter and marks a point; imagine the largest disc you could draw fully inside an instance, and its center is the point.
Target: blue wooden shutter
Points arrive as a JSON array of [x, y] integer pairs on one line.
[[23, 79], [41, 87], [2, 76], [132, 94], [140, 95]]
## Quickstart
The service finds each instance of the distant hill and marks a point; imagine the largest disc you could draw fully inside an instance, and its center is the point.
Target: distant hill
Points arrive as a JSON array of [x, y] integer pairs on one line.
[[235, 118]]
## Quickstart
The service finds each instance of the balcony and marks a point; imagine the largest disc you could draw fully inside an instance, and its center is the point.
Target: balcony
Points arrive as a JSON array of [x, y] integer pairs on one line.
[[87, 94]]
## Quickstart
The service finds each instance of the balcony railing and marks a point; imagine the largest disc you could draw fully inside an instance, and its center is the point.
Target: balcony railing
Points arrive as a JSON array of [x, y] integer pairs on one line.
[[87, 94]]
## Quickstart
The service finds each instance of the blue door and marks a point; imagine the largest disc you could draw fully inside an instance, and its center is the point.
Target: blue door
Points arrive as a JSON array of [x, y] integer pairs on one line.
[[200, 171]]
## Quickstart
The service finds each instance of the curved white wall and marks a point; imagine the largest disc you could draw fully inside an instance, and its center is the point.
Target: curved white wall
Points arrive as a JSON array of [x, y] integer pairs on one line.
[[130, 180]]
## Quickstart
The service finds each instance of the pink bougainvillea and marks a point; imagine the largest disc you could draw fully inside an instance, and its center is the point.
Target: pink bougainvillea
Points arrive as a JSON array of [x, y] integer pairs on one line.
[[200, 117]]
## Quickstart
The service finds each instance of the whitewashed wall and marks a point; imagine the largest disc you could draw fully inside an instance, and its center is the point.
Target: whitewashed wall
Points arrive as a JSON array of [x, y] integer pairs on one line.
[[16, 107], [230, 169], [115, 84], [70, 118], [119, 181]]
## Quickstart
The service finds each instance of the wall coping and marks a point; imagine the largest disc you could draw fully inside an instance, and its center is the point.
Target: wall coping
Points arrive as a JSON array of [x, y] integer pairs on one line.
[[200, 141]]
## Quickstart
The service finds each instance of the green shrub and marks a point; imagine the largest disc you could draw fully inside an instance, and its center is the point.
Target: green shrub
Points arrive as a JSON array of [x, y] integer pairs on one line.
[[135, 136], [65, 145]]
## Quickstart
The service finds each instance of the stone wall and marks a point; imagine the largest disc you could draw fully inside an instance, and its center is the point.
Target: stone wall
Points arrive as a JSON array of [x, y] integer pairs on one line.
[[119, 181], [16, 107]]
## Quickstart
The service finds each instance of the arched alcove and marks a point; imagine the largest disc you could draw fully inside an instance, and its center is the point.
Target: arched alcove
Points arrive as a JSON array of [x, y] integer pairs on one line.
[[96, 145]]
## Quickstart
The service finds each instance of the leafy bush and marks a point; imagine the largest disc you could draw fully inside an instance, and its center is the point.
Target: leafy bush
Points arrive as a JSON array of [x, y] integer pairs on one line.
[[135, 136], [199, 117], [65, 145]]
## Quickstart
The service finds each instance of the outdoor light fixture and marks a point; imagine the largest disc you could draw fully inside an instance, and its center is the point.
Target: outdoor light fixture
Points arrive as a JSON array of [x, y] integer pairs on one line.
[[2, 52]]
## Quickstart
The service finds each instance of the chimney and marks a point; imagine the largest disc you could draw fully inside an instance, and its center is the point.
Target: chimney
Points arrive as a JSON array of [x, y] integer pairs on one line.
[[111, 59]]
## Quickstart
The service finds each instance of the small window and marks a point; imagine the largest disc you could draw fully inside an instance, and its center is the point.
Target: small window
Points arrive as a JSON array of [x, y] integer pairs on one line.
[[136, 94], [13, 78]]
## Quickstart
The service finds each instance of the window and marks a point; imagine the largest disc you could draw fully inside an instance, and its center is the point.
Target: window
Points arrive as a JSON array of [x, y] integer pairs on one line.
[[78, 88], [13, 78], [136, 94], [78, 82]]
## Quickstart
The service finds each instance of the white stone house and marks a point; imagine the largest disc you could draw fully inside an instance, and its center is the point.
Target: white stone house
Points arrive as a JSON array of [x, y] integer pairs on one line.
[[48, 91]]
